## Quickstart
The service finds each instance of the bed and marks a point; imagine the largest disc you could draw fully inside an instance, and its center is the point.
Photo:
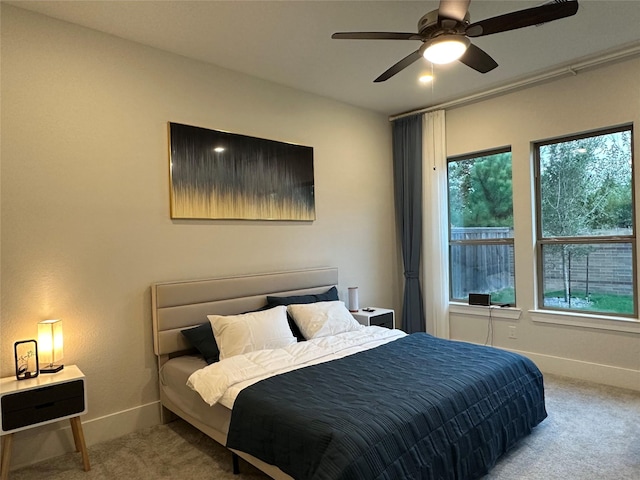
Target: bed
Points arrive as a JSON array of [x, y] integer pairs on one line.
[[387, 405]]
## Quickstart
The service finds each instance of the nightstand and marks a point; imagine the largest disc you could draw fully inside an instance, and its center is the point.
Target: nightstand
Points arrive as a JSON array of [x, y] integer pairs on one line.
[[37, 401], [381, 317]]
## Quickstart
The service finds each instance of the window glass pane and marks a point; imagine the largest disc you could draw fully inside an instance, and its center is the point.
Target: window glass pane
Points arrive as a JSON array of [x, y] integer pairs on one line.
[[585, 186], [482, 269], [590, 277], [480, 191], [481, 211]]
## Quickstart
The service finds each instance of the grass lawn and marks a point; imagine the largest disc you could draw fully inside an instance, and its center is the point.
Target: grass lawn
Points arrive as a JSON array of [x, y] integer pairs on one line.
[[599, 302]]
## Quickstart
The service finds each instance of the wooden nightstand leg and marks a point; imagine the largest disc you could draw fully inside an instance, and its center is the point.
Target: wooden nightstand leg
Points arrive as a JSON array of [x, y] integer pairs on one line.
[[7, 442], [78, 438], [74, 430]]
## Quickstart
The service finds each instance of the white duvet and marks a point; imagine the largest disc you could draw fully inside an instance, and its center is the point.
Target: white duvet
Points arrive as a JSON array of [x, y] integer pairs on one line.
[[221, 382]]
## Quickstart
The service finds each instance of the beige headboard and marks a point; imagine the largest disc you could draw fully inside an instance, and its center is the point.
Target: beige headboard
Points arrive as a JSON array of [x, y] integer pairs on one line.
[[182, 304]]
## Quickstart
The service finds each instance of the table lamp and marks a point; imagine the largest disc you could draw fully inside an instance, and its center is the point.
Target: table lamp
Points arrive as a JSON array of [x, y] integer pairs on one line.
[[50, 345]]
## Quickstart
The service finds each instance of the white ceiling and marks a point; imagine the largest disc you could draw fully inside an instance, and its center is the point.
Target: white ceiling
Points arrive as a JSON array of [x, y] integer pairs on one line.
[[288, 42]]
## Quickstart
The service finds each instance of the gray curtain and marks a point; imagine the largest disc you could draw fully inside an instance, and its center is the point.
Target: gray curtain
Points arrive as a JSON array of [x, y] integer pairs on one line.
[[407, 179]]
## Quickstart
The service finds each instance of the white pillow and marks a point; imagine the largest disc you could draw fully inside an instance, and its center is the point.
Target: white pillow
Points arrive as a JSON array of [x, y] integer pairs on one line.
[[248, 332], [322, 319]]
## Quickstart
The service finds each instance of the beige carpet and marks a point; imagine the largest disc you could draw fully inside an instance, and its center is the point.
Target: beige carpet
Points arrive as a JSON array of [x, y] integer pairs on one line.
[[592, 433]]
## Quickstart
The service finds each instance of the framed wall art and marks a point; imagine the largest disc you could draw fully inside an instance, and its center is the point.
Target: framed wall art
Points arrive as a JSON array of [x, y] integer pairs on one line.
[[26, 358], [221, 175]]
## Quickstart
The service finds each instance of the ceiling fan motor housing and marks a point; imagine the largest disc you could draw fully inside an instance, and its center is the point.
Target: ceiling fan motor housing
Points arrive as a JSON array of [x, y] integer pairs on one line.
[[428, 26]]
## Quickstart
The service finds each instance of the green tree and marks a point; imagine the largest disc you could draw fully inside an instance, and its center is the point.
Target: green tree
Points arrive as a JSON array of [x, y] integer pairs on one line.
[[585, 190], [480, 192], [566, 183]]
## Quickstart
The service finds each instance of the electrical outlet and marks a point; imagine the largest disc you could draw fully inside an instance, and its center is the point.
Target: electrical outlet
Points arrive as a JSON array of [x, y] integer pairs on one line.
[[512, 331]]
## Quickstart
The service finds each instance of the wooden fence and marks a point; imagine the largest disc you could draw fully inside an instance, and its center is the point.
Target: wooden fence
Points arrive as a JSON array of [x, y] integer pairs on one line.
[[490, 268], [481, 268]]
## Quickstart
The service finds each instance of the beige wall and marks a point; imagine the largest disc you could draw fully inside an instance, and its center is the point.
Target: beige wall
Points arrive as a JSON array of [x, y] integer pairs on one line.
[[85, 197], [85, 207], [590, 100]]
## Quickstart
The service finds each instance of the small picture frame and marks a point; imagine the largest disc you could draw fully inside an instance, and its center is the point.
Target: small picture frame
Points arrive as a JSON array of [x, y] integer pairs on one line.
[[26, 356]]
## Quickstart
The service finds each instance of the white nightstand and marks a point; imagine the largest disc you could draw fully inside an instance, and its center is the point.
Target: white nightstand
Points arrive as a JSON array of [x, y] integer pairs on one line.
[[37, 401], [381, 317]]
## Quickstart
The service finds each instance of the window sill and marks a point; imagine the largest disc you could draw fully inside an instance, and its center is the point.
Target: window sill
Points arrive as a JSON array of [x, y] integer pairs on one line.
[[506, 313], [574, 319]]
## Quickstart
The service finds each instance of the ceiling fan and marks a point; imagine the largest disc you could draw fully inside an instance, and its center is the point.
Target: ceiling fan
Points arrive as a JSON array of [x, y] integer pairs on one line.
[[449, 27]]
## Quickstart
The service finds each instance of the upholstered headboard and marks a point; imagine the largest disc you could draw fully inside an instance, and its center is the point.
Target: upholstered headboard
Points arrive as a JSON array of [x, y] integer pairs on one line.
[[182, 304]]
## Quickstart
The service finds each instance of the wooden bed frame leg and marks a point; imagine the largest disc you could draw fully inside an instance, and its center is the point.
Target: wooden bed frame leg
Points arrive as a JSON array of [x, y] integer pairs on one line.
[[236, 463]]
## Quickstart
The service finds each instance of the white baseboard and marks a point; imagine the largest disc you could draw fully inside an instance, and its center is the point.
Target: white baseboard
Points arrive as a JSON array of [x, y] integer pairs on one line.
[[40, 443], [591, 372]]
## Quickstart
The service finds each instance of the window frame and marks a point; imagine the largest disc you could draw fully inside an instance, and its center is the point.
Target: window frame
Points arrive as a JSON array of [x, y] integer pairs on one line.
[[477, 242], [586, 239]]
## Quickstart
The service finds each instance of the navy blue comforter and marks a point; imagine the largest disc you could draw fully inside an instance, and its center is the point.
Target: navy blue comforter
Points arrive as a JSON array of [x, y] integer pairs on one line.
[[416, 408]]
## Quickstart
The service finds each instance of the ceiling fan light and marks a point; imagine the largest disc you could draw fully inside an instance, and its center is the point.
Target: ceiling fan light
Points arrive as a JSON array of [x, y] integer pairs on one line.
[[445, 48]]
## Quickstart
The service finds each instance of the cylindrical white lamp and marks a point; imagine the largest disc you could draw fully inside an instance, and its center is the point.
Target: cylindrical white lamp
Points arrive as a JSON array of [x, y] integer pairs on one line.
[[50, 345], [353, 299]]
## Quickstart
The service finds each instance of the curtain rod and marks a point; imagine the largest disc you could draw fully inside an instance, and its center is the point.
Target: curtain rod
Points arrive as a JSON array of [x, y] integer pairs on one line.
[[600, 60]]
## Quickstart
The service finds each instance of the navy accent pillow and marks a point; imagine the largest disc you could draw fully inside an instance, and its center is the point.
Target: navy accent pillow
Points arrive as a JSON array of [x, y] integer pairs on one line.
[[202, 339], [330, 295]]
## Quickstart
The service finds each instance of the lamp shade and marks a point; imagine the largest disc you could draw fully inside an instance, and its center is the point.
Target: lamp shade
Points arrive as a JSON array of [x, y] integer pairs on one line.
[[50, 345], [445, 48]]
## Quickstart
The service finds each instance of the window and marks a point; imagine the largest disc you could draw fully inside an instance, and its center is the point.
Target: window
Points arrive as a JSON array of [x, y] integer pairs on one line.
[[586, 247], [481, 226]]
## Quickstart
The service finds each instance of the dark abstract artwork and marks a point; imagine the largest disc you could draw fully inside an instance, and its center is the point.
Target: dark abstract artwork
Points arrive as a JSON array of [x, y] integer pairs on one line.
[[221, 175]]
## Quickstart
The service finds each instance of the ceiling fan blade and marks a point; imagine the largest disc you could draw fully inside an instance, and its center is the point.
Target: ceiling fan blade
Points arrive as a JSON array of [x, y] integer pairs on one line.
[[376, 36], [455, 9], [478, 59], [401, 65], [523, 18]]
